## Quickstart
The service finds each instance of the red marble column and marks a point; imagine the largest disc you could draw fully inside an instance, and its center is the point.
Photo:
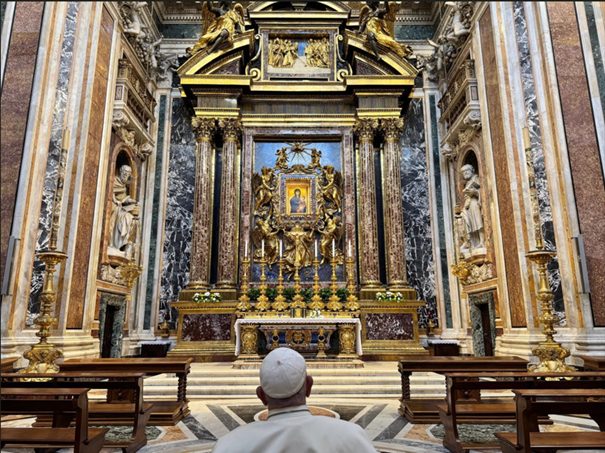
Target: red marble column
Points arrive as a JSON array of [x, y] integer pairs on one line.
[[16, 97], [366, 207], [227, 249], [393, 205], [201, 234], [582, 146]]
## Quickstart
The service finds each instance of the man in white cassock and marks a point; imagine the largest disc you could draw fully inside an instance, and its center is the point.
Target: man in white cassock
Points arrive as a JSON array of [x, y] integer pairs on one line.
[[290, 427]]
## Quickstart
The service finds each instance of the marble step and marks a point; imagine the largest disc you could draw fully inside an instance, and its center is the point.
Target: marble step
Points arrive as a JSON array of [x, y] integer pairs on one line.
[[376, 379]]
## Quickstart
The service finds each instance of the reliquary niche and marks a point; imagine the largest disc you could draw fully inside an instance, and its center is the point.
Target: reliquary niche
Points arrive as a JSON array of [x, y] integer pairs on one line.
[[299, 202]]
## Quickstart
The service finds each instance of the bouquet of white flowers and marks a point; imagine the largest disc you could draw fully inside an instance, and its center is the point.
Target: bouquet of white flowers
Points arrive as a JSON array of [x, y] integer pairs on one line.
[[389, 296], [207, 297]]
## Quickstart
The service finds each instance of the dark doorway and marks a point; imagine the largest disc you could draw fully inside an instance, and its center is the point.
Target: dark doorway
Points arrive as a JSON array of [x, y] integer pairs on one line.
[[108, 330], [486, 327]]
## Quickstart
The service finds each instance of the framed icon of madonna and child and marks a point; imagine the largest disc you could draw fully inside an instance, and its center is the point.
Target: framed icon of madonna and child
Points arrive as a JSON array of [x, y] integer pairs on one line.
[[298, 199]]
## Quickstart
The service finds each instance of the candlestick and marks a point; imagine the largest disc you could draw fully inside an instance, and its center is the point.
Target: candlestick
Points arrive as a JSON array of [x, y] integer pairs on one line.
[[316, 302], [352, 304], [316, 255], [281, 251], [350, 249], [65, 143], [333, 247], [244, 299], [334, 303], [298, 302], [262, 303], [262, 248], [280, 301], [246, 249]]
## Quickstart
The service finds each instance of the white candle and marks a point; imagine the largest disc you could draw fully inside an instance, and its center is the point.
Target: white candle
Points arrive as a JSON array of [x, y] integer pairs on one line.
[[281, 251], [350, 249], [262, 248], [246, 249], [316, 255], [333, 247]]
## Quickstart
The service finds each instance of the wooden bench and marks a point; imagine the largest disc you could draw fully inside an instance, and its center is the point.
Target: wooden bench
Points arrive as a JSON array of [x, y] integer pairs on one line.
[[530, 404], [135, 414], [8, 365], [164, 412], [424, 410], [593, 363], [459, 409], [56, 401]]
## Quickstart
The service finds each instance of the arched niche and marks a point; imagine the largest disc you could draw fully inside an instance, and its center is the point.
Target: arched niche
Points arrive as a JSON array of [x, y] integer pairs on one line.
[[121, 156]]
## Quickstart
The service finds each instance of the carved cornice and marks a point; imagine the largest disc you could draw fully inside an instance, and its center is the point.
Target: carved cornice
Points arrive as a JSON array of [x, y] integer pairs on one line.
[[392, 128], [365, 128], [232, 129], [204, 128]]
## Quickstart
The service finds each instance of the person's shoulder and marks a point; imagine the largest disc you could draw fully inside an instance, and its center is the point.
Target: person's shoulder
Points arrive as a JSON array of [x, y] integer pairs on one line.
[[335, 423]]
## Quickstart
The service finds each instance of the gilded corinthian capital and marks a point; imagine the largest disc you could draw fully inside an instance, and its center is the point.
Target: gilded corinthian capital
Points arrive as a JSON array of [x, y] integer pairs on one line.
[[203, 128], [392, 128], [232, 129], [365, 128]]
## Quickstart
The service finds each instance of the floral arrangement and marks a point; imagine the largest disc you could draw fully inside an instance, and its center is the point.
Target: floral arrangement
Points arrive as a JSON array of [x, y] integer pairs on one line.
[[207, 297], [389, 296]]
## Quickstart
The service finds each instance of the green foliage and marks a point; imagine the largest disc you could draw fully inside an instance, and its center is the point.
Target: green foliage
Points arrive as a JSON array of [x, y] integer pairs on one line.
[[289, 293], [271, 293], [253, 294], [342, 294], [307, 293], [325, 294]]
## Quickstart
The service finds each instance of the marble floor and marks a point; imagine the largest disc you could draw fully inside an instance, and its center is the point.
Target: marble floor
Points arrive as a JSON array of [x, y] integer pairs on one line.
[[378, 416]]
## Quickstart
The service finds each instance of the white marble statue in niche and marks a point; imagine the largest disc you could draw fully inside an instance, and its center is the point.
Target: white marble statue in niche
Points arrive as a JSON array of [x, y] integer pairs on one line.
[[474, 241], [124, 216]]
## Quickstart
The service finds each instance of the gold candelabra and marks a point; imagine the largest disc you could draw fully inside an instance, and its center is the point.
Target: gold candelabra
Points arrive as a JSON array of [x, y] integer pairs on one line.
[[244, 299], [43, 355], [263, 301], [352, 304], [316, 302], [551, 355], [298, 301], [280, 301], [334, 303]]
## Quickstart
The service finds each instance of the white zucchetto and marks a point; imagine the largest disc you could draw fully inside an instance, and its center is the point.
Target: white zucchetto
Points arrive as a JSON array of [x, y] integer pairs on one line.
[[282, 373]]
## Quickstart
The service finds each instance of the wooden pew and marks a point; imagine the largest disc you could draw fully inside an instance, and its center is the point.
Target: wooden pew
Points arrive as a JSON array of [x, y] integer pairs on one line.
[[164, 412], [135, 414], [424, 410], [530, 404], [593, 363], [8, 365], [56, 401], [459, 410]]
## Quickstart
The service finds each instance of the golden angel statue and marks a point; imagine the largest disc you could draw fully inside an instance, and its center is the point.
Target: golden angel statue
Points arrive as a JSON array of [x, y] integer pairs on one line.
[[265, 232], [229, 20], [263, 188], [331, 233], [331, 190], [377, 22], [298, 253]]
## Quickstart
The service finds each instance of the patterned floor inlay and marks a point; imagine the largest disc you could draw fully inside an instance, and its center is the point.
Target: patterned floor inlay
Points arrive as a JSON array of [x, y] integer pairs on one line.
[[389, 432]]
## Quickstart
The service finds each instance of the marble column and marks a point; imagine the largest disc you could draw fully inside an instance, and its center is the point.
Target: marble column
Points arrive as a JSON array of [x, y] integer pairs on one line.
[[392, 204], [367, 214], [201, 235], [227, 239]]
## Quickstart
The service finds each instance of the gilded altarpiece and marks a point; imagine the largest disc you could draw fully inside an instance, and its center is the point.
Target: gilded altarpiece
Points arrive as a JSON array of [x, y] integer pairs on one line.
[[291, 85]]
